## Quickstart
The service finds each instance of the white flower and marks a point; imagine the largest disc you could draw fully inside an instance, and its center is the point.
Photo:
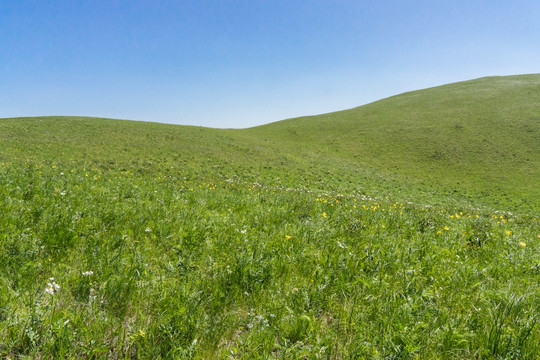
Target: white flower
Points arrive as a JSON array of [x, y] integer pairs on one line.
[[88, 273], [52, 287], [148, 229]]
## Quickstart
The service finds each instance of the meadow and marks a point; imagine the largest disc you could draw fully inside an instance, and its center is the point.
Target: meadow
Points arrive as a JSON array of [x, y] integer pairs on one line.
[[403, 229]]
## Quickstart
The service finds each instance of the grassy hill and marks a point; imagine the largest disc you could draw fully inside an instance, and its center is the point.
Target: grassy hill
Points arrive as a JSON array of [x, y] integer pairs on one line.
[[475, 142], [478, 139], [406, 228]]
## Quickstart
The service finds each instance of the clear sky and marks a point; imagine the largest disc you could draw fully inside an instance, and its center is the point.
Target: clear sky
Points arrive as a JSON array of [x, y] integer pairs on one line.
[[243, 63]]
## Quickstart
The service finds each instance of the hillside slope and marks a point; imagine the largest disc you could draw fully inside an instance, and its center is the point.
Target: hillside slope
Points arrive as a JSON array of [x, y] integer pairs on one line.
[[476, 142], [475, 139]]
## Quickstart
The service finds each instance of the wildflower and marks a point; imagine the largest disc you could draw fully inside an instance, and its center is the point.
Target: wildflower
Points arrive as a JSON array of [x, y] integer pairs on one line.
[[287, 237], [508, 232], [324, 214], [52, 287], [446, 228], [148, 229], [438, 232], [88, 273], [522, 244]]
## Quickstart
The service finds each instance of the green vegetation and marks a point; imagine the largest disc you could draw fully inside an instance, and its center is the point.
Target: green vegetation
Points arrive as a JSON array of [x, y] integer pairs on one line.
[[406, 228], [475, 141]]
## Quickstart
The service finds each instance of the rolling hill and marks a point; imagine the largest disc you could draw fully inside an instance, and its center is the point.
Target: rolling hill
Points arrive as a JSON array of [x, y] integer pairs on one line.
[[477, 138], [474, 142], [406, 228]]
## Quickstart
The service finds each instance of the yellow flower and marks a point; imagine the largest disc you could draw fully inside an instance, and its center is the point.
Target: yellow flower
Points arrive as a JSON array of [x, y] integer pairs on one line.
[[287, 237], [438, 232], [508, 233], [446, 228], [522, 244], [324, 214]]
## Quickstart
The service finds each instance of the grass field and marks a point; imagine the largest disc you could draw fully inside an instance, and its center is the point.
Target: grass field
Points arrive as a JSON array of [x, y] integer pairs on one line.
[[406, 228]]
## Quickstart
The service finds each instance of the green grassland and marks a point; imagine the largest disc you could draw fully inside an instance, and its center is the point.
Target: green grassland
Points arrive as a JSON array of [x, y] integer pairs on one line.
[[405, 228]]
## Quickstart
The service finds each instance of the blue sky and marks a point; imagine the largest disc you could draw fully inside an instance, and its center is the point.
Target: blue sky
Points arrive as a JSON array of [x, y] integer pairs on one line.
[[245, 63]]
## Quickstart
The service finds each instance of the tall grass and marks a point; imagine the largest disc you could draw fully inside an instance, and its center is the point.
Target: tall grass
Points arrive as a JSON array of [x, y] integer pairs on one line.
[[153, 266]]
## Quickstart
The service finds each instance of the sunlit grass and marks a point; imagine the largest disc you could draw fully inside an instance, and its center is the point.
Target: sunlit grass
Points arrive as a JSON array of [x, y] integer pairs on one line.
[[112, 264]]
